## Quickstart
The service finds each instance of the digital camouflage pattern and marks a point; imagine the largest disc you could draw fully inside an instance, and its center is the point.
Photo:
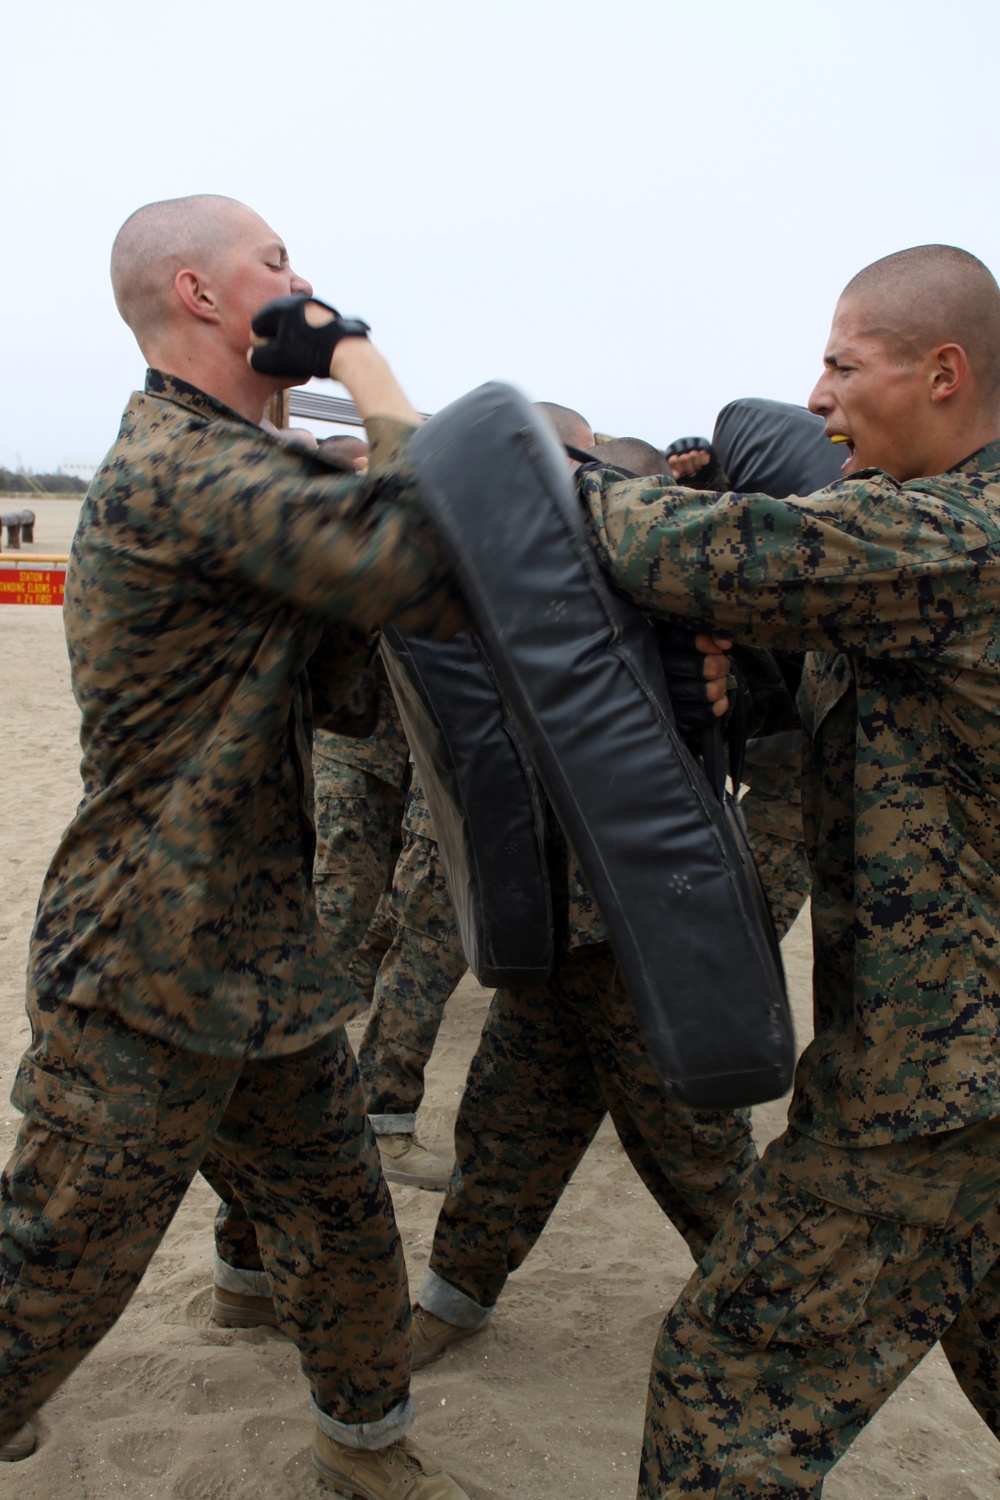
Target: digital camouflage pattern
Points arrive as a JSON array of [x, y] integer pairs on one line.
[[116, 1124], [373, 947], [837, 1272], [357, 838], [555, 1058], [184, 1004], [872, 1226], [772, 816], [890, 589], [417, 975], [384, 753], [360, 791], [406, 952], [207, 560]]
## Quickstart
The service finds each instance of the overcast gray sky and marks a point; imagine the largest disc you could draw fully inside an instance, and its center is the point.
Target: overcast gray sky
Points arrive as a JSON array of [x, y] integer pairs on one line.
[[642, 209]]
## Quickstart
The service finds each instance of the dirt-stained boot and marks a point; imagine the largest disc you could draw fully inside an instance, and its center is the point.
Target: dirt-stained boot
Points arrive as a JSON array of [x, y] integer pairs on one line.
[[398, 1472], [21, 1445], [406, 1161]]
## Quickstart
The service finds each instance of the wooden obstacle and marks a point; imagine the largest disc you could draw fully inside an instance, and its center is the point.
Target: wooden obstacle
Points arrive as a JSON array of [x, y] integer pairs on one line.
[[20, 526], [38, 579]]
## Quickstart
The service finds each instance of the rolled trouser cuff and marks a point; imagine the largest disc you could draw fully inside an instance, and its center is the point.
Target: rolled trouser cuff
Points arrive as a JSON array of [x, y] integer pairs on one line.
[[446, 1302], [246, 1283], [369, 1435], [393, 1124]]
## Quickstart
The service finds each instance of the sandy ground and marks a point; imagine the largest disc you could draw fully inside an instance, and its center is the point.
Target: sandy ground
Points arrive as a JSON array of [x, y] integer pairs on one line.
[[548, 1403]]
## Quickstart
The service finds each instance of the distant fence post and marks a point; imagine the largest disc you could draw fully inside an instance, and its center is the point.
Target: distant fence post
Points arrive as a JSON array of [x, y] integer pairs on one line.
[[276, 410]]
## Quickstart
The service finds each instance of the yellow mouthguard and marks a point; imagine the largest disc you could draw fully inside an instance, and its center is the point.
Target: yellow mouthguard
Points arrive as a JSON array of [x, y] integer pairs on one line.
[[838, 437]]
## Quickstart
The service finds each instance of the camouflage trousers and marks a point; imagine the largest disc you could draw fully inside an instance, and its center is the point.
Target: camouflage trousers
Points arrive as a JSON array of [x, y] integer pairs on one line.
[[835, 1274], [381, 897], [116, 1125], [772, 816], [418, 972], [553, 1059], [784, 872]]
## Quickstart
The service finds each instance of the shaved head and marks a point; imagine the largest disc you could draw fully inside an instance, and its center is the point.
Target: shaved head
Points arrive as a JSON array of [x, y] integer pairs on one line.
[[344, 451], [918, 299], [161, 239], [634, 454], [569, 425]]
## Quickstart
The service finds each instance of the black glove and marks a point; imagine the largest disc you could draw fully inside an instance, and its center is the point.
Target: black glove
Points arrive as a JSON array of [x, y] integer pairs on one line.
[[294, 347], [690, 445], [711, 476], [684, 670]]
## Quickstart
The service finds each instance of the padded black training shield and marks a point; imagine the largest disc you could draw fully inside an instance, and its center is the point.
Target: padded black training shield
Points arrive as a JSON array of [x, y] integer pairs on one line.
[[579, 668], [773, 448], [485, 802]]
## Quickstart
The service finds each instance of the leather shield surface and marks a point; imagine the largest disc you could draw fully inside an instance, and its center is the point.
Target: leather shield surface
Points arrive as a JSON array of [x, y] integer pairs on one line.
[[774, 448], [485, 803], [579, 667]]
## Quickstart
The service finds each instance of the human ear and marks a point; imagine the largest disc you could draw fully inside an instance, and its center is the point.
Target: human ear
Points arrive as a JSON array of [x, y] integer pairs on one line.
[[949, 366], [195, 296]]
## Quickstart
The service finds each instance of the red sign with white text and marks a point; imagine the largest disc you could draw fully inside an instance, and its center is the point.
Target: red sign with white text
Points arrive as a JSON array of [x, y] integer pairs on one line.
[[31, 585]]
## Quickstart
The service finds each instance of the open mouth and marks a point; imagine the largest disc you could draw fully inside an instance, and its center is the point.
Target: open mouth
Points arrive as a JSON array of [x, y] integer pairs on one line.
[[841, 437]]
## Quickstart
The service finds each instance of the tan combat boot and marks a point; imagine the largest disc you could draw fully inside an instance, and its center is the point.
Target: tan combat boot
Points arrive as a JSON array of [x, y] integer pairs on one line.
[[406, 1161], [21, 1445], [398, 1472], [432, 1336], [237, 1310]]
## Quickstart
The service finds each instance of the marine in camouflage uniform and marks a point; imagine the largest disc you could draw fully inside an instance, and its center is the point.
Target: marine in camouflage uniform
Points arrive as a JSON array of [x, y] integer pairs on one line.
[[185, 1006], [553, 1060], [421, 961], [361, 786], [871, 1227], [417, 975], [382, 897]]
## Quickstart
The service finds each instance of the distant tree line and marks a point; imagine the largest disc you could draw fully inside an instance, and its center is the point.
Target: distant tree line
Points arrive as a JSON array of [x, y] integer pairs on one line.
[[30, 484]]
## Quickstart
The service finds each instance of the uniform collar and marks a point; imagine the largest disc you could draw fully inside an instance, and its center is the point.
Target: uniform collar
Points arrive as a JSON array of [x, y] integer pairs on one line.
[[173, 388], [985, 460]]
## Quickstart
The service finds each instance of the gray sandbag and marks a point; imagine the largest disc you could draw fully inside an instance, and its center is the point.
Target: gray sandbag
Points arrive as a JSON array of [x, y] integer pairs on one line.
[[579, 667], [484, 800]]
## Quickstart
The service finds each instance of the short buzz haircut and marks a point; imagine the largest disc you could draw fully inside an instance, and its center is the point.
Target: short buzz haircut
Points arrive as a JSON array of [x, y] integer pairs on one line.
[[156, 242], [931, 295], [634, 454], [570, 426], [341, 450]]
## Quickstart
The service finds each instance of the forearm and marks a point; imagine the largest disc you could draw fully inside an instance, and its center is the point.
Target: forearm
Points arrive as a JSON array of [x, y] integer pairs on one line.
[[869, 568], [341, 547], [376, 392]]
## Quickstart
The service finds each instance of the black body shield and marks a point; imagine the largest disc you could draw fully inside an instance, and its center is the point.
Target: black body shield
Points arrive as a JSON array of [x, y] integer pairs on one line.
[[774, 448], [484, 800], [579, 668]]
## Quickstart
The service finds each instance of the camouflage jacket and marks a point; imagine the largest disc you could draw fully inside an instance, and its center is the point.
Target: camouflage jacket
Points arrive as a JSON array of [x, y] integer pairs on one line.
[[893, 590], [209, 564]]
